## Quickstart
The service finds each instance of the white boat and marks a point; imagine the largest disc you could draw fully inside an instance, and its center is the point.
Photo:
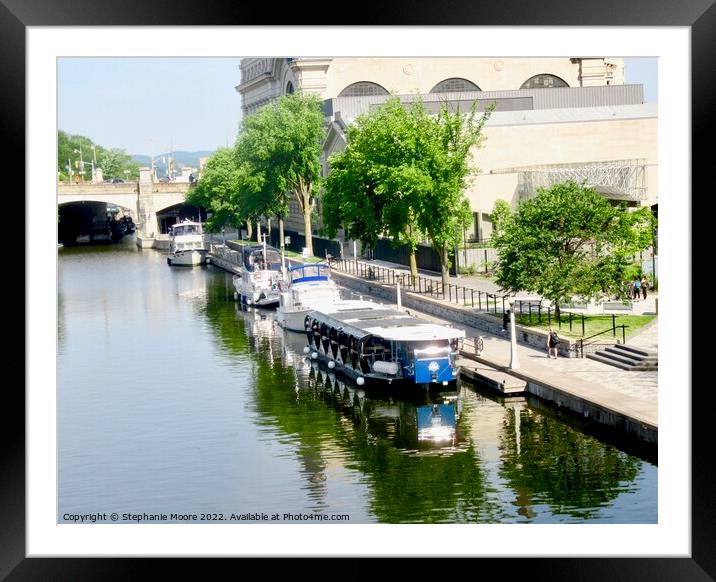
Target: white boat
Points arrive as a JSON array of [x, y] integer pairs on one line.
[[370, 342], [187, 246], [260, 280], [310, 286]]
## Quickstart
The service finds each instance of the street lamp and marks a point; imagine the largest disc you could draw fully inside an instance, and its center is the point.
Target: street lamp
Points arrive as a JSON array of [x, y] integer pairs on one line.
[[82, 164], [94, 163], [514, 361]]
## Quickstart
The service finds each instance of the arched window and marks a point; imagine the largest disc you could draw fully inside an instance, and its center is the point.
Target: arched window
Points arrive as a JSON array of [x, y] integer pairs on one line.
[[289, 88], [363, 88], [543, 81], [455, 85]]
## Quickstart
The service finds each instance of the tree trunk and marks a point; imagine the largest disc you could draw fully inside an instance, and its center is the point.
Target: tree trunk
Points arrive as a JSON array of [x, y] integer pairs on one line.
[[413, 266], [249, 229], [281, 237], [258, 231], [444, 266], [307, 228], [268, 228]]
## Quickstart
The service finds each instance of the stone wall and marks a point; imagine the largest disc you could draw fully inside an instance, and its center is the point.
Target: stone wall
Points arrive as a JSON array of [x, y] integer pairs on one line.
[[454, 313]]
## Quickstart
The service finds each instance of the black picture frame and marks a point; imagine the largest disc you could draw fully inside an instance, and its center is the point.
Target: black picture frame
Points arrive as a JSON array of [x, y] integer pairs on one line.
[[17, 15]]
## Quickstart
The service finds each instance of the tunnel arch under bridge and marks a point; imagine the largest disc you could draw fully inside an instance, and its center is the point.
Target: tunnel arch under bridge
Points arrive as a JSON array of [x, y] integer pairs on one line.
[[170, 215]]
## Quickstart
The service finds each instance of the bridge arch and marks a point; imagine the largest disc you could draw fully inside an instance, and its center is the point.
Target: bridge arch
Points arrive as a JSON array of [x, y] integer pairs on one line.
[[145, 199], [170, 215]]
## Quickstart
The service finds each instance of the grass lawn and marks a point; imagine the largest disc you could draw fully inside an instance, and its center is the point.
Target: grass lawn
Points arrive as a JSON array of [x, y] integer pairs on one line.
[[592, 323]]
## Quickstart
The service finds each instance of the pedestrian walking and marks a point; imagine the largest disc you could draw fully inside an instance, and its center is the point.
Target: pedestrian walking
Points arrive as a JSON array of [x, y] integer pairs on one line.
[[636, 286], [552, 342], [505, 320], [644, 287]]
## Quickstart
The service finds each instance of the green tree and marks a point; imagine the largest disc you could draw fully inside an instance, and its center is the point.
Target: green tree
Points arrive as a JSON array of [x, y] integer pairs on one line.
[[286, 140], [78, 152], [403, 173], [446, 212], [266, 192], [375, 183], [501, 216], [219, 190], [116, 163], [568, 241]]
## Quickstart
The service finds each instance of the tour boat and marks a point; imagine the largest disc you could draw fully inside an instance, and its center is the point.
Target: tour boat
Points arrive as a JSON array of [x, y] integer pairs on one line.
[[309, 287], [187, 246], [374, 343], [261, 276]]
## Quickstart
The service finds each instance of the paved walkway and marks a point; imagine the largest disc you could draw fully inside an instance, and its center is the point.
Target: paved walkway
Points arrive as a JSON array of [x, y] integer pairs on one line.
[[626, 390]]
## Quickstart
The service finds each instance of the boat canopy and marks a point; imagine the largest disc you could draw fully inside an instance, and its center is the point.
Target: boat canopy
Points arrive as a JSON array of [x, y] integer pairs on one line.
[[254, 260], [390, 324], [309, 272]]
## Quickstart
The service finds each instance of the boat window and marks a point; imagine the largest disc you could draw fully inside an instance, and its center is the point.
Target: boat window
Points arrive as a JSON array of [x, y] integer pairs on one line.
[[185, 229]]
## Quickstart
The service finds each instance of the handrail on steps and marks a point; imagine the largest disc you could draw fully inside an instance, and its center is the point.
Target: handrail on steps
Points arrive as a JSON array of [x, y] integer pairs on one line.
[[613, 329]]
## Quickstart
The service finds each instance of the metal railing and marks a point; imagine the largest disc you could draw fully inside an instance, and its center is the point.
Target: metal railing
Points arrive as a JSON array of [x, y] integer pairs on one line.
[[580, 344], [457, 294], [535, 308], [465, 296]]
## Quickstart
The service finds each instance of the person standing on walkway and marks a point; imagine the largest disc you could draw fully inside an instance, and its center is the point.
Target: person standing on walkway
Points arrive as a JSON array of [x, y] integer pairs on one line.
[[636, 286], [644, 287], [552, 341], [505, 320]]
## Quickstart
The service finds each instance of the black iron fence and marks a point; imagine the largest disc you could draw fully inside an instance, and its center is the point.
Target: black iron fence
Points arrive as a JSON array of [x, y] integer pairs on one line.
[[457, 294], [534, 309], [531, 311]]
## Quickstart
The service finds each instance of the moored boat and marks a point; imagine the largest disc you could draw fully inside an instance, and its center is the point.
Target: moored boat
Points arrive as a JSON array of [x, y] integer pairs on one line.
[[259, 282], [310, 286], [374, 343], [186, 244]]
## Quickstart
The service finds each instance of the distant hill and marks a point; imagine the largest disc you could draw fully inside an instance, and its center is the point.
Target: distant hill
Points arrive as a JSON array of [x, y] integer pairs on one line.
[[181, 159]]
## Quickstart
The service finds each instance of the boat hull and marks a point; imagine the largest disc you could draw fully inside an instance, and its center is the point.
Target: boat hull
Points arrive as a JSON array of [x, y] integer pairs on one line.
[[187, 258], [258, 289], [448, 376], [292, 320], [258, 302]]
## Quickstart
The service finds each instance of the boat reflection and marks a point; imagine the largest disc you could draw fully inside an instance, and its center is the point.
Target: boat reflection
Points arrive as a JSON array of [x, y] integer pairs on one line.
[[436, 422], [418, 422], [423, 424]]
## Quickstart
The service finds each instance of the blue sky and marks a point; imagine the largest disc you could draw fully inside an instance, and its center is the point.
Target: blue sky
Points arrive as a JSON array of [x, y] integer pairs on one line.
[[145, 104], [156, 105], [643, 71]]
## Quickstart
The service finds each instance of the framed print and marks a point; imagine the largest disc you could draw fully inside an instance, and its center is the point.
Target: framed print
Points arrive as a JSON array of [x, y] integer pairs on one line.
[[37, 543]]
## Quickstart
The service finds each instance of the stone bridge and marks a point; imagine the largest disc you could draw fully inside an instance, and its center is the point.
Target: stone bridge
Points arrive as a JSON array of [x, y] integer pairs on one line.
[[144, 199]]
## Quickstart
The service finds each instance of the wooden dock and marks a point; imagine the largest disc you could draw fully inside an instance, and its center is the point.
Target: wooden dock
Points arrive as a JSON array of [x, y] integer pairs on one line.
[[484, 375]]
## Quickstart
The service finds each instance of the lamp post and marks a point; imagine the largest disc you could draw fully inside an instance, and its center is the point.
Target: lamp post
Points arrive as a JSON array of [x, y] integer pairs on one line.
[[94, 163], [82, 164], [514, 360]]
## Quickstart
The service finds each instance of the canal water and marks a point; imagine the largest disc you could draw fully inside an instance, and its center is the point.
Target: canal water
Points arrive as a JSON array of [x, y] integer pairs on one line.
[[174, 405]]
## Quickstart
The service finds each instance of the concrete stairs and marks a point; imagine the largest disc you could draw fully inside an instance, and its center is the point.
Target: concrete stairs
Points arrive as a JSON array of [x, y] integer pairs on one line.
[[627, 358]]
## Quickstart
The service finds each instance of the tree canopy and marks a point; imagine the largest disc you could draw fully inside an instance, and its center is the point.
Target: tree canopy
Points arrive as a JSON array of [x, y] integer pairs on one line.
[[78, 152], [281, 145], [569, 242], [403, 175], [220, 190]]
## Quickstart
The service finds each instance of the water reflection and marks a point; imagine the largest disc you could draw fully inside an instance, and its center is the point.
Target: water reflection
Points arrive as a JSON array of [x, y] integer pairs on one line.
[[214, 398], [415, 450]]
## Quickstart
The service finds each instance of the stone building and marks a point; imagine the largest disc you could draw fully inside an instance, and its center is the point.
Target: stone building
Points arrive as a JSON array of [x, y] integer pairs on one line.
[[555, 119]]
